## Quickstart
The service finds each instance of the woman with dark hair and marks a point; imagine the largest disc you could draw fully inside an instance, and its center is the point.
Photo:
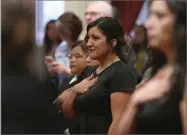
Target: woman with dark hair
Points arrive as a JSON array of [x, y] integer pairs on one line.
[[51, 38], [157, 106], [101, 97], [79, 70]]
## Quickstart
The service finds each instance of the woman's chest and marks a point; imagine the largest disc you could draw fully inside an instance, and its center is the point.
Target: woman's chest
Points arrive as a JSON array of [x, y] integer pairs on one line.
[[99, 96]]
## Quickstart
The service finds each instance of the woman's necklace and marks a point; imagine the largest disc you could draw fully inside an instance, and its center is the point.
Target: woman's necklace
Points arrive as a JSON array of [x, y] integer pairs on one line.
[[99, 69]]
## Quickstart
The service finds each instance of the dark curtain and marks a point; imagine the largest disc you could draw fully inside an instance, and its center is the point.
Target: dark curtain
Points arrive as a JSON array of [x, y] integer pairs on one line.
[[128, 12]]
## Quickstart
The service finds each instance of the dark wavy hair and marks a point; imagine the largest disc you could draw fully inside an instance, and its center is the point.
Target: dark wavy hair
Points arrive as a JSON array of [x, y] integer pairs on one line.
[[72, 23], [179, 10], [112, 29]]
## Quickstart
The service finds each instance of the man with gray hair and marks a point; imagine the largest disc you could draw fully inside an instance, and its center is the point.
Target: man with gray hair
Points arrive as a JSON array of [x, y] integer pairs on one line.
[[97, 9]]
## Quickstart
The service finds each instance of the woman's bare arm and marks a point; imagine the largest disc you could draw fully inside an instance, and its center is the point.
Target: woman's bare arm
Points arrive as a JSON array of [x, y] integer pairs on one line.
[[80, 88], [67, 105], [127, 121], [123, 114], [183, 115]]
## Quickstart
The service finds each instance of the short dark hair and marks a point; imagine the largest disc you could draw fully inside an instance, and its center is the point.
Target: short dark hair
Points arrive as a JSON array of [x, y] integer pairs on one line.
[[112, 29], [72, 23], [81, 44]]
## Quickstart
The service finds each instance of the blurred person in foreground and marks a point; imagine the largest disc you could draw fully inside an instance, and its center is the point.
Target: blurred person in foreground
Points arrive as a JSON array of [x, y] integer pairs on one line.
[[159, 105], [26, 101]]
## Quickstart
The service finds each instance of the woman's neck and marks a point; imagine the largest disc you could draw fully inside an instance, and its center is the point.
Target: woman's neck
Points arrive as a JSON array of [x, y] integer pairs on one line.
[[107, 61], [170, 55], [170, 52]]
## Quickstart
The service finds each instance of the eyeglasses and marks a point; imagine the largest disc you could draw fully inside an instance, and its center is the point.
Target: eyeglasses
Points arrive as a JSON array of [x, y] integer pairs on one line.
[[76, 56]]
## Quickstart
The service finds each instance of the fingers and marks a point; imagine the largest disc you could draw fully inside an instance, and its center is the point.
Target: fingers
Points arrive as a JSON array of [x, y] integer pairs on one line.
[[92, 82], [48, 57], [141, 83], [49, 60], [84, 85], [55, 64], [59, 101], [90, 77], [62, 65], [58, 104], [56, 68], [85, 90], [81, 88], [51, 65]]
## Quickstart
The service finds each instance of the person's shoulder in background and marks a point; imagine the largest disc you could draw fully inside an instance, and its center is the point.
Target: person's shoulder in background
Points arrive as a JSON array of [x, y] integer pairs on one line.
[[147, 74]]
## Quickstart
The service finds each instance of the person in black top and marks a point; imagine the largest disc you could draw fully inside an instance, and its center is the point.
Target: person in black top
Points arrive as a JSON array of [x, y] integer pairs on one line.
[[77, 58], [103, 96], [158, 106], [81, 65], [79, 70]]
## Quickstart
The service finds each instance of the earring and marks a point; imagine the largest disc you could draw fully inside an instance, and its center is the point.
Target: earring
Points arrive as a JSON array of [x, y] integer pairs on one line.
[[114, 44]]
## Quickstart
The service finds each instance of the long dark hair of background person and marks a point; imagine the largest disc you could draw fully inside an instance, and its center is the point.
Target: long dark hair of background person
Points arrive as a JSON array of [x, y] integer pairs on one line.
[[180, 41], [48, 43]]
